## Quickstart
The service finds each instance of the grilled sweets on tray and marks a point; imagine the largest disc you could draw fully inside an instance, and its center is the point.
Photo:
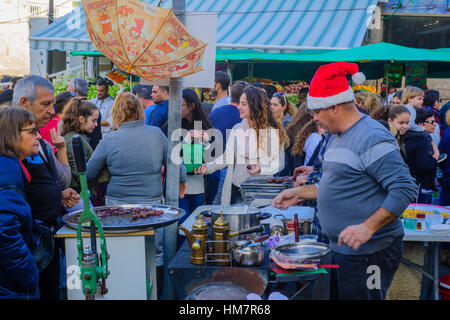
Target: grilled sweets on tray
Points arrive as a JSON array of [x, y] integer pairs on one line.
[[136, 213], [280, 179]]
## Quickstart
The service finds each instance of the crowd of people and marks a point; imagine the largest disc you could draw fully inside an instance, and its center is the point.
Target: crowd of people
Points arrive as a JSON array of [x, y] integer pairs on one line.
[[398, 159]]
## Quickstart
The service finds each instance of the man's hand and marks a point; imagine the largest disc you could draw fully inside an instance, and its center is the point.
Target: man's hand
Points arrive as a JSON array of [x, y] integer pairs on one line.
[[302, 171], [254, 169], [104, 123], [287, 198], [300, 180], [354, 236], [69, 198], [435, 151], [57, 140], [182, 190]]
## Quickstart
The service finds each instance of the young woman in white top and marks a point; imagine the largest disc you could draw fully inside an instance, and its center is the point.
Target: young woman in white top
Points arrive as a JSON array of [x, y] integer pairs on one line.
[[255, 145]]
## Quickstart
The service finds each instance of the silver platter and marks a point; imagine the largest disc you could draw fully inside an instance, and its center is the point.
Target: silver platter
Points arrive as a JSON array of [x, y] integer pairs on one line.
[[124, 223], [299, 252]]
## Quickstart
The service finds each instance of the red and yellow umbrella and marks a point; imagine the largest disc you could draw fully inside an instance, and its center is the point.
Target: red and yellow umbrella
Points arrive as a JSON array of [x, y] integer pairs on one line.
[[143, 39]]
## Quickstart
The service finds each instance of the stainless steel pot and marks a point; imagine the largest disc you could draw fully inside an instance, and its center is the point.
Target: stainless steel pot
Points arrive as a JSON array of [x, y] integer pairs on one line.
[[239, 217]]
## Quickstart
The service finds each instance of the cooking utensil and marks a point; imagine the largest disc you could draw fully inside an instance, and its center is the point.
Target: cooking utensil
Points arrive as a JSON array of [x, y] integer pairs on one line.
[[292, 255], [124, 223], [249, 255], [239, 217], [259, 228]]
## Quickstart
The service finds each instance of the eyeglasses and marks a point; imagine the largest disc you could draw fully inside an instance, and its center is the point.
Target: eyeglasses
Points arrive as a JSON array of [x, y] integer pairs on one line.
[[32, 130], [430, 121]]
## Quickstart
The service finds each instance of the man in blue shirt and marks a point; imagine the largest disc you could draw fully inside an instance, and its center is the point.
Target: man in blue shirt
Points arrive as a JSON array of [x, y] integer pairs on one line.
[[159, 116], [144, 93], [227, 116], [221, 83]]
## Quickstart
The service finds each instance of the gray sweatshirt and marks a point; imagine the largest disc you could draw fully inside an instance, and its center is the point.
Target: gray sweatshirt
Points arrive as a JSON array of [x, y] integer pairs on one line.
[[134, 155], [363, 171]]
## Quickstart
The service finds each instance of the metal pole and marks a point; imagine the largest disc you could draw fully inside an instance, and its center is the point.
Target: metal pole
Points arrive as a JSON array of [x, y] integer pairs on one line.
[[50, 21], [173, 170], [387, 84]]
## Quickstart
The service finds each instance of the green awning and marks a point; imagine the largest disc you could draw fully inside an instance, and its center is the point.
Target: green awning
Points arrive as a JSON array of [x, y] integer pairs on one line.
[[87, 53], [384, 51]]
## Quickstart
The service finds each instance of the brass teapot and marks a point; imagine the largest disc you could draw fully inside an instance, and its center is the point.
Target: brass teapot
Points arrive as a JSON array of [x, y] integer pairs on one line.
[[197, 240]]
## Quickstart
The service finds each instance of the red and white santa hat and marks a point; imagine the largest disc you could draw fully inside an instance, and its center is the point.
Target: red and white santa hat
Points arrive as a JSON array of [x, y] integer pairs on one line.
[[329, 85]]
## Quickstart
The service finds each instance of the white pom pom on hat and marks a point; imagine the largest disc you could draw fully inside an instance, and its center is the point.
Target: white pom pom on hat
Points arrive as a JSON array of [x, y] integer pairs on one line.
[[330, 87], [358, 78]]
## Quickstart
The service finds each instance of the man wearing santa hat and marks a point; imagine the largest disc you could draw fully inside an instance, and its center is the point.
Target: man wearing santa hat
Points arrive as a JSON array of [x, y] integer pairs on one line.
[[365, 187]]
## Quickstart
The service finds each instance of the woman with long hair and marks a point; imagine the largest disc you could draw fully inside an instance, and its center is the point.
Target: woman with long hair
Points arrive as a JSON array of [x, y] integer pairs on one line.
[[195, 122], [19, 139], [255, 146], [282, 108], [80, 117]]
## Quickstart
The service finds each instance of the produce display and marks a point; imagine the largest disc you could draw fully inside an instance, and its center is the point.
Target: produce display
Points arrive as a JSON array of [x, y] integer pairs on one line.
[[207, 96], [294, 88], [359, 87], [116, 76], [61, 82]]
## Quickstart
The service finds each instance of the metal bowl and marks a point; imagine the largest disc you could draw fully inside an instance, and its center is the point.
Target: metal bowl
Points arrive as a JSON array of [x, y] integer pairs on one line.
[[301, 251]]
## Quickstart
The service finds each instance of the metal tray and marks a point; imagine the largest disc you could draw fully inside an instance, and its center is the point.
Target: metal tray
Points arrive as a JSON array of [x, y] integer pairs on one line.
[[299, 252], [124, 223], [259, 181]]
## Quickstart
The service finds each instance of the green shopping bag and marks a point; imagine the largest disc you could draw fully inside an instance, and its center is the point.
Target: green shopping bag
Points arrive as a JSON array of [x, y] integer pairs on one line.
[[192, 156]]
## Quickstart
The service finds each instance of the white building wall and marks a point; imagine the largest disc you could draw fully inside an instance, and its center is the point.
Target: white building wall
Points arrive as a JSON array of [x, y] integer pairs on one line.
[[16, 58]]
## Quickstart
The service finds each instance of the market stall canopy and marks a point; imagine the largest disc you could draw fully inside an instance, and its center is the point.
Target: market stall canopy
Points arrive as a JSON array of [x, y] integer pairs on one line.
[[143, 39], [302, 65], [275, 25], [382, 51]]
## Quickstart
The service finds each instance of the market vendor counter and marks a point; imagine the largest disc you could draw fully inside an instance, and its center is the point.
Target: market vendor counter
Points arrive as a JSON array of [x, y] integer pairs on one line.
[[132, 264], [189, 279]]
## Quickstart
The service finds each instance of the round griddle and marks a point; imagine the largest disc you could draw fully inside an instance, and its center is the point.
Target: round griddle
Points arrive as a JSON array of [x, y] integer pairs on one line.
[[124, 223]]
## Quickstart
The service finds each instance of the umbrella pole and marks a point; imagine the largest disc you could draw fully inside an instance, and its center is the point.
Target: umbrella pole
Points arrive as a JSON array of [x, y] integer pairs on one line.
[[173, 169]]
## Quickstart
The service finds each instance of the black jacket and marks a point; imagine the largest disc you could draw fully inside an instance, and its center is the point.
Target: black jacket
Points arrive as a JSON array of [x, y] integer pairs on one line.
[[418, 153], [44, 192]]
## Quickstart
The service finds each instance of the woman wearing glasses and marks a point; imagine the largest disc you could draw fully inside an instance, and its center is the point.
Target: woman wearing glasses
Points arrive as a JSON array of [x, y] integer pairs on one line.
[[282, 109], [255, 145], [19, 138]]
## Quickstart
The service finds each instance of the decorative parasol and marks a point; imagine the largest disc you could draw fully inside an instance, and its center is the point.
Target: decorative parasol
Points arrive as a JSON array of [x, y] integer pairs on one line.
[[143, 39]]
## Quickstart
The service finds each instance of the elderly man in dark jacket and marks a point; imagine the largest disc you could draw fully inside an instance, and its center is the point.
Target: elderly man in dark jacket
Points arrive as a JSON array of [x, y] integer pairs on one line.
[[19, 275]]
